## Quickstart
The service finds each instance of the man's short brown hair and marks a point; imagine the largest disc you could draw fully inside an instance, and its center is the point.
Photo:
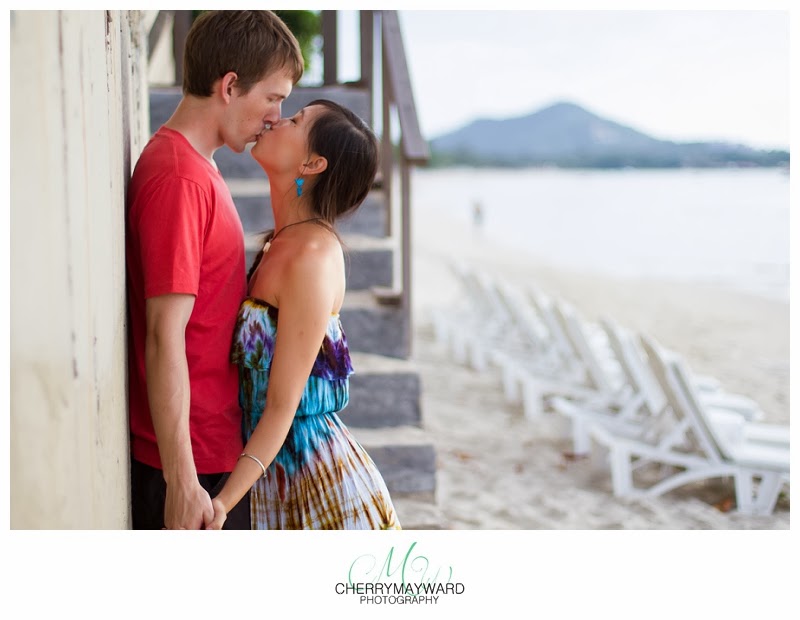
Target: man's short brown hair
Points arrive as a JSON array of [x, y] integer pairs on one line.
[[252, 44]]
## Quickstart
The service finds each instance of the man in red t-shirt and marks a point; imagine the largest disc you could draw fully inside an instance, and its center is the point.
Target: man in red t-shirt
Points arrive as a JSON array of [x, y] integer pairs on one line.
[[186, 271]]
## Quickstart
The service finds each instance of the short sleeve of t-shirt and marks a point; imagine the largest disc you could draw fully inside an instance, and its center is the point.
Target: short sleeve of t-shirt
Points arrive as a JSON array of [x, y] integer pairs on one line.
[[172, 225]]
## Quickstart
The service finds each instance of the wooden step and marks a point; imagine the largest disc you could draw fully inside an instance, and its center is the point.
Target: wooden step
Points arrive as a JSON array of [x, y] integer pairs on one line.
[[371, 218], [384, 392], [405, 458], [375, 328], [369, 261]]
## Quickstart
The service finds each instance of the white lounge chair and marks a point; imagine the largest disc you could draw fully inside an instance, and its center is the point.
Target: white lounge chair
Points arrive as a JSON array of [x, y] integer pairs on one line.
[[543, 305], [541, 356], [637, 372], [760, 451], [571, 365], [474, 320], [621, 400], [501, 331], [536, 340], [646, 402], [603, 371], [697, 446]]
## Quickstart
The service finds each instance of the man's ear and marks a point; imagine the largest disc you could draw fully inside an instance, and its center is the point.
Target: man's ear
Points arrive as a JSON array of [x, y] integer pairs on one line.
[[315, 164], [226, 85]]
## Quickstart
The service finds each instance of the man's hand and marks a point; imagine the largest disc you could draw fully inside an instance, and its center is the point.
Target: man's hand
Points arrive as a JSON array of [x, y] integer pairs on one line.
[[187, 507], [220, 514]]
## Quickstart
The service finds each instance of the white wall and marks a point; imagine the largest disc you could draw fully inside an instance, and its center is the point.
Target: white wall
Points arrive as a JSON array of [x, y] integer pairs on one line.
[[78, 119]]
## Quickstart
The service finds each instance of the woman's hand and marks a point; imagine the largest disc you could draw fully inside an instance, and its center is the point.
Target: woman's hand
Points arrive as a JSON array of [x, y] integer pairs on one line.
[[220, 514]]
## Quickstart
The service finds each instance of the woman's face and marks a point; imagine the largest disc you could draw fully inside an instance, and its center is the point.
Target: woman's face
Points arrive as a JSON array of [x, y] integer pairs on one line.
[[284, 146]]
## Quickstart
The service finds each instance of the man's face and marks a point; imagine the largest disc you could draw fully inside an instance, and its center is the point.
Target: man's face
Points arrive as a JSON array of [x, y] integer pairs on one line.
[[248, 113]]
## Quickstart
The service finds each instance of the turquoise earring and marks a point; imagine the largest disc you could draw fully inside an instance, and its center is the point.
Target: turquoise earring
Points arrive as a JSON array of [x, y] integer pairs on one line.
[[299, 183]]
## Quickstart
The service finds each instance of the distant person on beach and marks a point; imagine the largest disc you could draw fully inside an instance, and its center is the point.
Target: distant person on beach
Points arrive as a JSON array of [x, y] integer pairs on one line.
[[305, 469], [186, 270], [477, 219], [477, 215]]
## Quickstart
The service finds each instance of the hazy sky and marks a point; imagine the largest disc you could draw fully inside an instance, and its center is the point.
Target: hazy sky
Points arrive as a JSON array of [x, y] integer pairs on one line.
[[681, 75]]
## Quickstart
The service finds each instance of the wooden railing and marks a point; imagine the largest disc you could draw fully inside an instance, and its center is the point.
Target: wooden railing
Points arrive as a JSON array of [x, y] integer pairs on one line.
[[396, 96], [413, 150]]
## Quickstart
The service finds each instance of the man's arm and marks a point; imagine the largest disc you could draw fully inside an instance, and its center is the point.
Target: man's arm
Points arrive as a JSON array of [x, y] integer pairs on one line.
[[188, 505]]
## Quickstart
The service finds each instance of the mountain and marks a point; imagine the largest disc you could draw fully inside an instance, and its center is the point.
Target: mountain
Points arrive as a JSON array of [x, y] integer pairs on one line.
[[567, 135]]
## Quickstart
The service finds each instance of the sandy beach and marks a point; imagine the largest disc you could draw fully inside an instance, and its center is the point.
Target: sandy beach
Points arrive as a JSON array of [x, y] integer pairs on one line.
[[499, 470]]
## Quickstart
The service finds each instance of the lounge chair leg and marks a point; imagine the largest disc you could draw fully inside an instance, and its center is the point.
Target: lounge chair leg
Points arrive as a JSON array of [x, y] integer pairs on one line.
[[581, 443], [621, 474], [767, 495], [510, 384], [532, 399], [743, 481]]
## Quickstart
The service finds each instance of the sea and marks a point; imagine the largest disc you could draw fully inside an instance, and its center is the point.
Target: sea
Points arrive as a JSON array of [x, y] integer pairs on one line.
[[725, 227]]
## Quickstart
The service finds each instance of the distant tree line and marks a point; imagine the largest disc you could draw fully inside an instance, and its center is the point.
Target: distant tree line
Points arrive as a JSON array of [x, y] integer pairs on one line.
[[756, 159]]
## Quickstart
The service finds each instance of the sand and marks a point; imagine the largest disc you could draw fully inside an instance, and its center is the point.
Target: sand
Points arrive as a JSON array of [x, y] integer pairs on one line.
[[499, 470]]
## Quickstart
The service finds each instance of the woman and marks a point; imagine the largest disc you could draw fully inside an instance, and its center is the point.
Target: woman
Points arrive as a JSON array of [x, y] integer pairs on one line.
[[305, 469]]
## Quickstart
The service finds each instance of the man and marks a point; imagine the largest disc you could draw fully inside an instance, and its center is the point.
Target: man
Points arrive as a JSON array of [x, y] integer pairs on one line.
[[186, 271]]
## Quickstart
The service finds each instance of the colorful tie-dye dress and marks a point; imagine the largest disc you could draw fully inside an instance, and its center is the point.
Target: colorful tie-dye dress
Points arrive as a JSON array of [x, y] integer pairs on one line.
[[321, 478]]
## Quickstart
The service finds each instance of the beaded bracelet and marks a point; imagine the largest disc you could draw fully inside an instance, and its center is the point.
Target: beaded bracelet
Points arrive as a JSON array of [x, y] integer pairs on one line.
[[250, 456]]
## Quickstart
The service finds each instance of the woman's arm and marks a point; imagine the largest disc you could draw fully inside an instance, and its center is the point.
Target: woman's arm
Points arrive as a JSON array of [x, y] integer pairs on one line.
[[306, 297]]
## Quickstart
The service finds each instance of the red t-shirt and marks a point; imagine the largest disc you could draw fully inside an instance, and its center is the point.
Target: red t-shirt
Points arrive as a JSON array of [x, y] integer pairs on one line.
[[185, 236]]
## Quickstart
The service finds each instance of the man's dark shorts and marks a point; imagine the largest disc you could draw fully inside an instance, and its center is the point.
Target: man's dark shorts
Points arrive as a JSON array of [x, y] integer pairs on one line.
[[149, 492]]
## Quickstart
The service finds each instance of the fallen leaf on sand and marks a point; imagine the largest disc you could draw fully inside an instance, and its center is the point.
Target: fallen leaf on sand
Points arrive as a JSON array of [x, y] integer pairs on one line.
[[724, 505], [573, 456]]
